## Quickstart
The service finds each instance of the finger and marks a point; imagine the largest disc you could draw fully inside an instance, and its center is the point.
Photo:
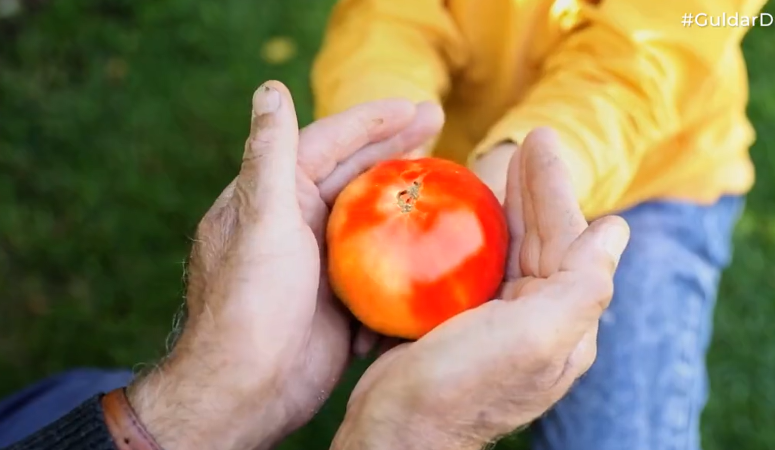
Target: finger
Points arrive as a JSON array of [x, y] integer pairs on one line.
[[329, 141], [417, 153], [599, 248], [432, 116], [572, 300], [426, 124], [365, 340], [555, 214], [530, 250], [592, 259], [561, 311], [420, 136], [515, 215], [267, 178], [314, 210]]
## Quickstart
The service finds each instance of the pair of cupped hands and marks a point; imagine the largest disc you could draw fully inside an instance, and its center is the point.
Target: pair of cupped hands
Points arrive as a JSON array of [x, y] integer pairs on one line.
[[265, 341]]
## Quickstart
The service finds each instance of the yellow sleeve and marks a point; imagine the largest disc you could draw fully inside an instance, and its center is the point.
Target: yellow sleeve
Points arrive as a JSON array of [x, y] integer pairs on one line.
[[629, 77], [376, 49]]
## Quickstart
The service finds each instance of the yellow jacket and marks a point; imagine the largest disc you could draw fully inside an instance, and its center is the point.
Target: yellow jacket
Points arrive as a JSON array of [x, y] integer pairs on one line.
[[647, 108]]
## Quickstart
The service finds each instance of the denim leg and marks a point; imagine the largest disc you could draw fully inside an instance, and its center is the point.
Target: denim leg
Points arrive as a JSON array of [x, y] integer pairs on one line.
[[36, 406], [648, 386]]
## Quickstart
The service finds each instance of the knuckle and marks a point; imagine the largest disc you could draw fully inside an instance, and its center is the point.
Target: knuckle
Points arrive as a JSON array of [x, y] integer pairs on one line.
[[213, 230], [205, 226], [259, 142], [311, 158], [595, 288], [353, 169], [354, 130], [549, 377], [585, 362], [601, 287], [540, 348]]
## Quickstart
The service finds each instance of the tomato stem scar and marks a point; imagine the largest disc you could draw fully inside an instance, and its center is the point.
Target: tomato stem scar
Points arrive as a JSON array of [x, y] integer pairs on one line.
[[407, 198]]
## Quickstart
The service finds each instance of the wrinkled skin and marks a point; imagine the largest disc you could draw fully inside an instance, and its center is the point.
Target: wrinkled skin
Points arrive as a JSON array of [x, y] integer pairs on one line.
[[265, 342], [316, 333]]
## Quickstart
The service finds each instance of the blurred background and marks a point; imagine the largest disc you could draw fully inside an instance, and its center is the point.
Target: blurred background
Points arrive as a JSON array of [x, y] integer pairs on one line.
[[121, 121]]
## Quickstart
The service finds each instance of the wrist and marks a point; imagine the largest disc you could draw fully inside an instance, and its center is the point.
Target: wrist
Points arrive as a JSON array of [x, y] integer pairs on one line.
[[373, 424], [182, 409]]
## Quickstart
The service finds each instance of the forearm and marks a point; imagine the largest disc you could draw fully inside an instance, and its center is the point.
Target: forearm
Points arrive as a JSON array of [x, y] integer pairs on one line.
[[375, 49], [615, 96]]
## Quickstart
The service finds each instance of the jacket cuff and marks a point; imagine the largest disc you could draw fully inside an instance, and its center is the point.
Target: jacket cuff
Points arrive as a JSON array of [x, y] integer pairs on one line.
[[82, 428]]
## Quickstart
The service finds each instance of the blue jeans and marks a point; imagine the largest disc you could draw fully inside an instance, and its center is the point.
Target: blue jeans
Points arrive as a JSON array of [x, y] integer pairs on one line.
[[645, 391]]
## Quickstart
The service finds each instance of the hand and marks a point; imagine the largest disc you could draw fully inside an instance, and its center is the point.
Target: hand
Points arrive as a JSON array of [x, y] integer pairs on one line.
[[490, 370], [425, 150], [491, 168], [264, 343]]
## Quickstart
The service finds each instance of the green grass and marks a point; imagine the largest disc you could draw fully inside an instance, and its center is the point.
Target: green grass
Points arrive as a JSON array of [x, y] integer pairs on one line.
[[121, 121]]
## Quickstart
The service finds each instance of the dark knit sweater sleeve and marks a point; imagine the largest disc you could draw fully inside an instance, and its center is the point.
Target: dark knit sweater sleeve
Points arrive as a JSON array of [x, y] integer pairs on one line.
[[83, 428]]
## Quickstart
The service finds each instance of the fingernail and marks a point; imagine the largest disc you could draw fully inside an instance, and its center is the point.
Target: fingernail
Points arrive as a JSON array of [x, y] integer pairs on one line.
[[616, 240], [266, 100]]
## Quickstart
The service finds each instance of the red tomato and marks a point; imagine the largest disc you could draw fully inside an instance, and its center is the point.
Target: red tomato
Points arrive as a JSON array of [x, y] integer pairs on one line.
[[412, 243]]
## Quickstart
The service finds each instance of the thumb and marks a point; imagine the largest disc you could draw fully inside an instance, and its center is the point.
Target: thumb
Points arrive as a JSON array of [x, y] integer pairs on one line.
[[584, 283], [599, 247], [267, 178], [571, 301]]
